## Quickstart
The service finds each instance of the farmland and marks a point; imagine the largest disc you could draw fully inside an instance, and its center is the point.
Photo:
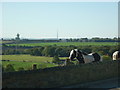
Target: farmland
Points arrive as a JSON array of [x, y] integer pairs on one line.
[[43, 56], [26, 61], [68, 44], [27, 65], [7, 41], [27, 58]]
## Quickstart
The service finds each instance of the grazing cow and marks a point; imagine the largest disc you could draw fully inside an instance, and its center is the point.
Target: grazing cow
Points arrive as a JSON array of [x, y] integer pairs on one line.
[[83, 57], [116, 55]]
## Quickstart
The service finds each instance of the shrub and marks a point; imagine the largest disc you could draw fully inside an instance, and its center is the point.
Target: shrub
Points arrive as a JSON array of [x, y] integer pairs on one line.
[[28, 68], [20, 69], [49, 51], [55, 59], [41, 66], [106, 58], [9, 68]]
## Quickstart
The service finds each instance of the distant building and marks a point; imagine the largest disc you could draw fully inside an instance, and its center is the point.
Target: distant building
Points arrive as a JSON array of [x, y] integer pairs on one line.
[[63, 40], [18, 37]]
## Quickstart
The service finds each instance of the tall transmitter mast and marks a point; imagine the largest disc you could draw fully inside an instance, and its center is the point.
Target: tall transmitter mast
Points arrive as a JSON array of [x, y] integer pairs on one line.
[[57, 34]]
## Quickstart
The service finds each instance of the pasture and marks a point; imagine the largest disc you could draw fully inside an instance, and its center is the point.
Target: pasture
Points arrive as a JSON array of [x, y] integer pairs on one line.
[[5, 42], [27, 58], [68, 44], [27, 65], [26, 61]]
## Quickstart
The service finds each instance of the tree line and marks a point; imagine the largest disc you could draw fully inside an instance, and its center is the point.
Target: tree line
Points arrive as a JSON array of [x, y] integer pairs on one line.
[[61, 51], [95, 39]]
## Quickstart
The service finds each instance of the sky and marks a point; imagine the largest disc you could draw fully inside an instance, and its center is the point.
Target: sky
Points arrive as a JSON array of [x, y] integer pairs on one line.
[[38, 20]]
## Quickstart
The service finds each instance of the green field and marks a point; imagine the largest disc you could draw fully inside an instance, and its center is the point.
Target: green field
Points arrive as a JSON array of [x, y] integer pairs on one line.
[[26, 61], [27, 58], [4, 42], [68, 44]]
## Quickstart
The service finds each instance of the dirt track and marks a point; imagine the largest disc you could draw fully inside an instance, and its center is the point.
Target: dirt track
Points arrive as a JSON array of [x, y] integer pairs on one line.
[[113, 83]]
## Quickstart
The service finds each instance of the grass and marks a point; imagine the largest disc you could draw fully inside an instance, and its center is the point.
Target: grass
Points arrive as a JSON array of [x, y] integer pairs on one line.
[[26, 61], [17, 61], [27, 65], [4, 42], [28, 58], [68, 44]]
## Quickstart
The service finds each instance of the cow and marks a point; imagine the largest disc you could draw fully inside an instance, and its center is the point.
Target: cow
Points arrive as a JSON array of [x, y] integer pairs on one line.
[[116, 55], [83, 57]]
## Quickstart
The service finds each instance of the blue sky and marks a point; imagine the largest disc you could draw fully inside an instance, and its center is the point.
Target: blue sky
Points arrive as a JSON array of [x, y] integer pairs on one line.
[[71, 19]]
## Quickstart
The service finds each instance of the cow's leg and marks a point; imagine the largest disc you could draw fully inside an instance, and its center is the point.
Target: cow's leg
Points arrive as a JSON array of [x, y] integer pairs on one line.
[[96, 57], [81, 61]]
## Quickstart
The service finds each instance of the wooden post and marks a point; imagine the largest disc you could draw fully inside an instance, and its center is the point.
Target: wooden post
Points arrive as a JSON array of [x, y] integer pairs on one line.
[[68, 62], [34, 66]]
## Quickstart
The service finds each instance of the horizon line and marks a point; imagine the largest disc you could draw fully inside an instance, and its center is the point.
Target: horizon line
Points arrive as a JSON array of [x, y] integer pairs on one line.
[[63, 38]]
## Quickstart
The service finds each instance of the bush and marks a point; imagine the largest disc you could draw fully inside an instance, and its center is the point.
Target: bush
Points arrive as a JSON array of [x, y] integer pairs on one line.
[[55, 59], [41, 66], [49, 51], [9, 68], [28, 68], [20, 69], [106, 58]]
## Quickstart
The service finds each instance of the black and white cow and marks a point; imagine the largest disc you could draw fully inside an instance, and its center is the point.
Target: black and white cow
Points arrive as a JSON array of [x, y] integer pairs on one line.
[[116, 55], [83, 57]]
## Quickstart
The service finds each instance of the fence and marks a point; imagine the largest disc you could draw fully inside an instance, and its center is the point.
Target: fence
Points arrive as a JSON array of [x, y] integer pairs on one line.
[[61, 76]]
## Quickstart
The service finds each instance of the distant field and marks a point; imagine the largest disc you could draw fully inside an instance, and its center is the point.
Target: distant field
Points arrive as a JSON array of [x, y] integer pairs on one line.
[[17, 61], [69, 43], [6, 42], [28, 58]]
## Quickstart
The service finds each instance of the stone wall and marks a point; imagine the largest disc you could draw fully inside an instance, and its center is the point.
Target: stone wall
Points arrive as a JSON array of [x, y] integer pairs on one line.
[[60, 76]]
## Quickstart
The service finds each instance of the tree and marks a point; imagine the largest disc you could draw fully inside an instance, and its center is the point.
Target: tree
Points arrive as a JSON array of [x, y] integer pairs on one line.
[[36, 51], [84, 39], [49, 51], [56, 59], [57, 51], [64, 53], [9, 68]]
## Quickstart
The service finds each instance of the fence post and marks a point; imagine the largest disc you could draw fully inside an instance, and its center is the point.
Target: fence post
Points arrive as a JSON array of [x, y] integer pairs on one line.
[[34, 66], [68, 62]]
